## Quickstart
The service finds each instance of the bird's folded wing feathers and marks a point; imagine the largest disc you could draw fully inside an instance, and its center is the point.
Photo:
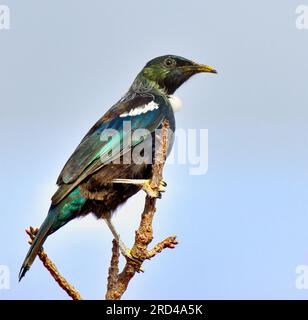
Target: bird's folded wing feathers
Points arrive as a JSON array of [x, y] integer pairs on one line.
[[93, 152]]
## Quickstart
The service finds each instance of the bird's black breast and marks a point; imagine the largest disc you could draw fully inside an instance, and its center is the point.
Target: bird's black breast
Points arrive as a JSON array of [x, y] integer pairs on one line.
[[168, 114], [164, 103]]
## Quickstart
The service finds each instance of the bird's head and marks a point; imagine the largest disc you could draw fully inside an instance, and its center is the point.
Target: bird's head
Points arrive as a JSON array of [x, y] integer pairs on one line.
[[170, 72]]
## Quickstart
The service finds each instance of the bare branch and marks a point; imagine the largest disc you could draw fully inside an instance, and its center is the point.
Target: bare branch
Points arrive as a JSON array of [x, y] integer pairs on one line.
[[169, 242], [51, 267], [113, 269], [144, 234]]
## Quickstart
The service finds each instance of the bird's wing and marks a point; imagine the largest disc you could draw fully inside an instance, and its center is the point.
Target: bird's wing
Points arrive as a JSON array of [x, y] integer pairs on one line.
[[94, 150]]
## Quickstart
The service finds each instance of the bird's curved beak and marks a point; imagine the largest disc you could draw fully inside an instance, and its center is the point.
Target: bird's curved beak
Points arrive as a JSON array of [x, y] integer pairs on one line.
[[205, 68], [198, 68]]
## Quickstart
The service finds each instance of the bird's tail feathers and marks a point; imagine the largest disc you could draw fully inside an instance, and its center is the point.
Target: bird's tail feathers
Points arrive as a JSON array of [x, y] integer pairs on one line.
[[36, 245], [57, 217]]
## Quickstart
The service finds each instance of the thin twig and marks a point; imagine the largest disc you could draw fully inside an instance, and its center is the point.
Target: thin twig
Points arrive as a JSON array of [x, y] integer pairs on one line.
[[169, 242], [51, 267], [144, 234], [113, 269]]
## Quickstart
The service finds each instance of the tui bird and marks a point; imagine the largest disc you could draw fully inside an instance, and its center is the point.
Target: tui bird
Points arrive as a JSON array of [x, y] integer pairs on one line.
[[90, 182]]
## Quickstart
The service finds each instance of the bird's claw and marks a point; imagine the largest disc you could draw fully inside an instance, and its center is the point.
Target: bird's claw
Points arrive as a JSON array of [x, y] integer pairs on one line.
[[154, 193], [126, 252], [129, 256]]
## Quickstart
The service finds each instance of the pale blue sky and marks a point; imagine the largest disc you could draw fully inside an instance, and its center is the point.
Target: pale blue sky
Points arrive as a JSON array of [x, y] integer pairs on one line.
[[242, 227]]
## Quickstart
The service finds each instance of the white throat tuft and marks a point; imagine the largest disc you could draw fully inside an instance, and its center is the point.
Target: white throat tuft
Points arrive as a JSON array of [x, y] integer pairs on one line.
[[176, 103]]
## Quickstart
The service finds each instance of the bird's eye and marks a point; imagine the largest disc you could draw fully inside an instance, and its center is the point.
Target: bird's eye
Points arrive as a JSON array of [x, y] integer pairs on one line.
[[169, 62]]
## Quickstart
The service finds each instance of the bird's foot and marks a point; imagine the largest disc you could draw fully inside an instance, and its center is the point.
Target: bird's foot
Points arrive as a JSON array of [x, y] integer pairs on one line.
[[153, 192], [145, 185], [126, 252]]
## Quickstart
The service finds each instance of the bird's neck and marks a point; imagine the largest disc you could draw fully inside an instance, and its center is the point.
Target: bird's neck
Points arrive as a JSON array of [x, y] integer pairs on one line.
[[143, 85]]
